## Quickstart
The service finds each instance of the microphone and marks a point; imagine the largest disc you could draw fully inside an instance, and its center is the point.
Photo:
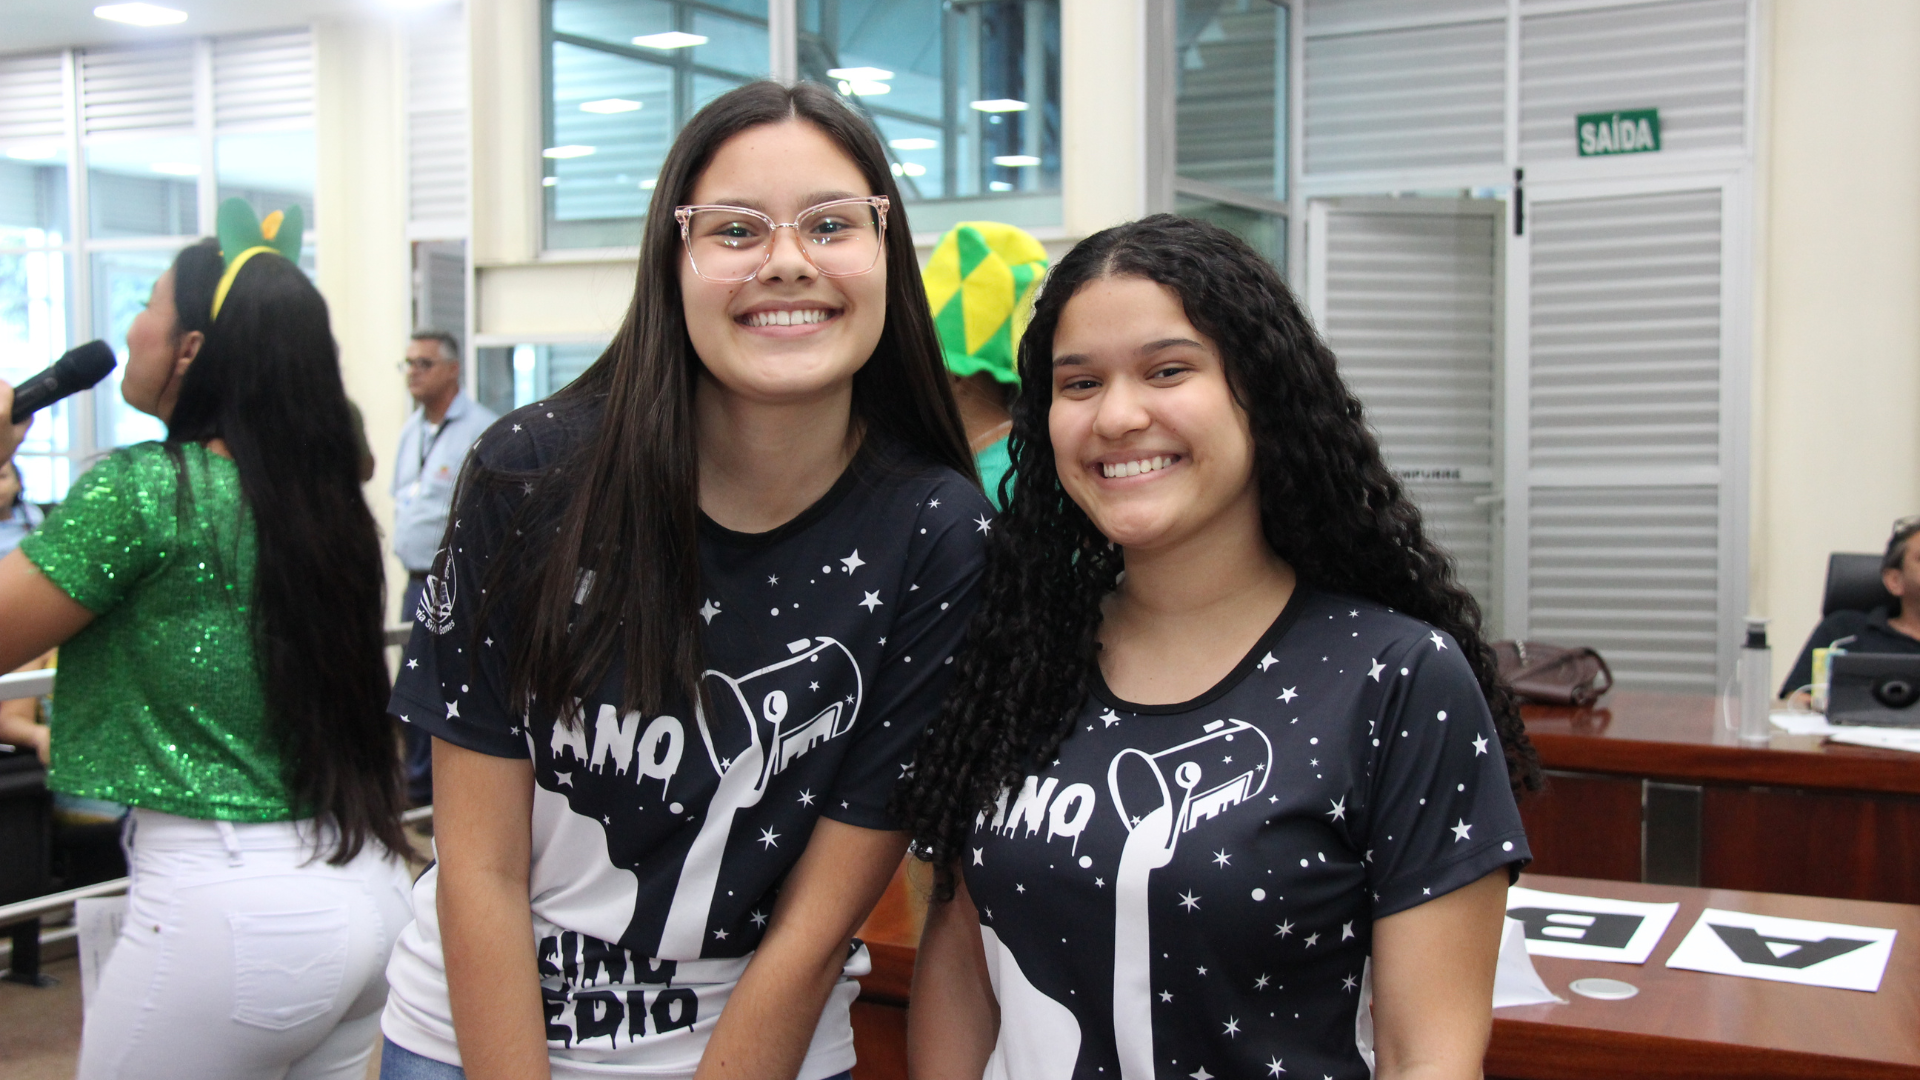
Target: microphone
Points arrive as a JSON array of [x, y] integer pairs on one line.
[[79, 370]]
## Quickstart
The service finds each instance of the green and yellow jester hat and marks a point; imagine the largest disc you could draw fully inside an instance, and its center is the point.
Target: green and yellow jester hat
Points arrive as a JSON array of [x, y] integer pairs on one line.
[[244, 235], [981, 281]]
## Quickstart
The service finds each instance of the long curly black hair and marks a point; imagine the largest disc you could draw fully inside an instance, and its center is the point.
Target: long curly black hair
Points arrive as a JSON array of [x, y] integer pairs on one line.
[[1328, 506]]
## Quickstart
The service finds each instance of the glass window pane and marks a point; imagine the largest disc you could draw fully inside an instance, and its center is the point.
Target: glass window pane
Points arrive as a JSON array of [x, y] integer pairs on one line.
[[34, 312], [33, 196], [144, 186], [614, 103], [272, 170], [122, 281], [1266, 232], [966, 97], [510, 376], [1232, 98]]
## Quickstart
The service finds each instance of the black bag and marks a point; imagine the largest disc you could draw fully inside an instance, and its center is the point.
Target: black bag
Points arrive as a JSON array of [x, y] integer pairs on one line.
[[1543, 674]]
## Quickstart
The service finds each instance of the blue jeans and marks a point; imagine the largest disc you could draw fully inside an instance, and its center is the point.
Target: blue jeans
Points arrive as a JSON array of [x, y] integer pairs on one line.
[[399, 1063]]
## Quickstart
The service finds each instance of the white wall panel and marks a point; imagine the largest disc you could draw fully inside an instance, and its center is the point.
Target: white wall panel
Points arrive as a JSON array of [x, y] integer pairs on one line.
[[1688, 59], [437, 134], [1625, 332], [1406, 99], [1633, 572]]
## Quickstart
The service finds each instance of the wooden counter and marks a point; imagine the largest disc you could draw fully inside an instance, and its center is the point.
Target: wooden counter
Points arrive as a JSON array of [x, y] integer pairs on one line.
[[1682, 1025], [1686, 1024], [1649, 787]]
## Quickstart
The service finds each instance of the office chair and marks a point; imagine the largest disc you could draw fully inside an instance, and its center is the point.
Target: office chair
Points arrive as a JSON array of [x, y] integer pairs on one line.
[[1853, 584]]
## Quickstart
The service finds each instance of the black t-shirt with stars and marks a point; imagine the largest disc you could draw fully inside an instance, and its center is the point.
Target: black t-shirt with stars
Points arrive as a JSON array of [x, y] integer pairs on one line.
[[828, 645], [1188, 890]]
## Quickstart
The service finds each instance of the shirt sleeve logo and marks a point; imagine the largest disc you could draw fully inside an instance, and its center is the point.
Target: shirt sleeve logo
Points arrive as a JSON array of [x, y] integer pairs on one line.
[[436, 599]]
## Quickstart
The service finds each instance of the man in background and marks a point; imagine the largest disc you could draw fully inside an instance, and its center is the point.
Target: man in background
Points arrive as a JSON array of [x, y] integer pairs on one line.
[[433, 445]]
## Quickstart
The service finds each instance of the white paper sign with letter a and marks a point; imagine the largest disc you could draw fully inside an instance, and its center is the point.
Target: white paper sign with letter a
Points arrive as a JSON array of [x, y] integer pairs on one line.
[[1786, 950], [1589, 927]]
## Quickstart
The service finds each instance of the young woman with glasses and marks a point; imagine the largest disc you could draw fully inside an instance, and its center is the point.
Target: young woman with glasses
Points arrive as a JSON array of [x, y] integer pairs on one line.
[[693, 613], [1228, 758]]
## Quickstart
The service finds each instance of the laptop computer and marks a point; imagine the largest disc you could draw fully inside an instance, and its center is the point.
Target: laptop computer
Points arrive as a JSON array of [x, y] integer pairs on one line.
[[1877, 689]]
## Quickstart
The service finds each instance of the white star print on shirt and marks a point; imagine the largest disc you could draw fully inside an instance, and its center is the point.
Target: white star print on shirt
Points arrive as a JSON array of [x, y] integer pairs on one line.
[[1267, 661], [1479, 745], [1346, 930], [872, 601], [1166, 995], [1349, 983], [1378, 667], [1261, 982], [453, 710], [1438, 644], [1232, 1027], [1201, 1074], [1460, 830], [977, 854], [985, 526], [769, 839], [1110, 718], [1339, 811], [773, 579], [720, 935], [1273, 1067], [1189, 901], [710, 610], [806, 798], [1221, 859], [853, 562], [759, 918], [1283, 929], [412, 664], [1312, 940]]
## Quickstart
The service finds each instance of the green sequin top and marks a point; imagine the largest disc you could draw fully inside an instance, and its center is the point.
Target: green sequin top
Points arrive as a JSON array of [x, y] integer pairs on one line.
[[161, 704]]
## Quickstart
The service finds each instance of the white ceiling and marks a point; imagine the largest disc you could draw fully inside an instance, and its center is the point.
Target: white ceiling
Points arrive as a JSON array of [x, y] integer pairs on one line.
[[36, 25]]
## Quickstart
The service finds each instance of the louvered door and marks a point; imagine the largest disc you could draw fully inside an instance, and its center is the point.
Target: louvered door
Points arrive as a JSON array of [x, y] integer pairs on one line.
[[1625, 525], [1408, 295]]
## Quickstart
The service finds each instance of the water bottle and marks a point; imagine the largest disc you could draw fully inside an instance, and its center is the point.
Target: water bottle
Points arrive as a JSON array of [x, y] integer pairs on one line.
[[1755, 676]]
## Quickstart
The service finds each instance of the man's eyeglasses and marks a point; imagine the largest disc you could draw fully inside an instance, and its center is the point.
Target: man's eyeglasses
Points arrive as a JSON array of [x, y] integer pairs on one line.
[[842, 238], [421, 364]]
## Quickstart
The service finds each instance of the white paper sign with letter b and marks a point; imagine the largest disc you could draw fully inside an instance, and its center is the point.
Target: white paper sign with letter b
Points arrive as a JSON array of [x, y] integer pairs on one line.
[[1589, 927], [1786, 950]]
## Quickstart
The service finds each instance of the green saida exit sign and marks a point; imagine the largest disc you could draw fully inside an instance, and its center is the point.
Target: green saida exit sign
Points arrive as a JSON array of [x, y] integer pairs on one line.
[[1629, 131]]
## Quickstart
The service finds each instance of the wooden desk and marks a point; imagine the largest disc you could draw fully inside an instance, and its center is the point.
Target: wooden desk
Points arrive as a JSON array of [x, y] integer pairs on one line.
[[1649, 787], [1687, 1024], [1682, 1025]]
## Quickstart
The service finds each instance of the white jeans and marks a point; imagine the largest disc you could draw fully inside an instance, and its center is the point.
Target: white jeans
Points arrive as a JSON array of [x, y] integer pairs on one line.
[[244, 956]]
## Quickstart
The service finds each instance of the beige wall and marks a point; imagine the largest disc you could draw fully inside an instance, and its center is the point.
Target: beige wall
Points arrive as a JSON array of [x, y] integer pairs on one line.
[[365, 267], [1837, 436]]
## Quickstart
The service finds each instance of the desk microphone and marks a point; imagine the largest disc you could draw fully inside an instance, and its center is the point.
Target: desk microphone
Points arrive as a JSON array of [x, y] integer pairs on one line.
[[79, 370]]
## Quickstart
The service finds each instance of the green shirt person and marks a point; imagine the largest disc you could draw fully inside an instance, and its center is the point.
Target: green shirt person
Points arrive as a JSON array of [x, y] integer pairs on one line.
[[981, 281]]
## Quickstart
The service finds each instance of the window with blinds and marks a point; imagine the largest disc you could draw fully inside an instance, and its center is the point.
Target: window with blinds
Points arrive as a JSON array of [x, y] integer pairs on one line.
[[111, 159]]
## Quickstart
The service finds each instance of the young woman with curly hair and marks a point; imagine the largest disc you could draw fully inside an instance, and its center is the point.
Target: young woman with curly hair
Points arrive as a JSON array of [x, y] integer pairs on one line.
[[1225, 786]]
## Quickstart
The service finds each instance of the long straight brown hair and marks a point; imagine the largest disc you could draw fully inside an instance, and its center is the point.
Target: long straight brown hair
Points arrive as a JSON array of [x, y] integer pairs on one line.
[[623, 505]]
